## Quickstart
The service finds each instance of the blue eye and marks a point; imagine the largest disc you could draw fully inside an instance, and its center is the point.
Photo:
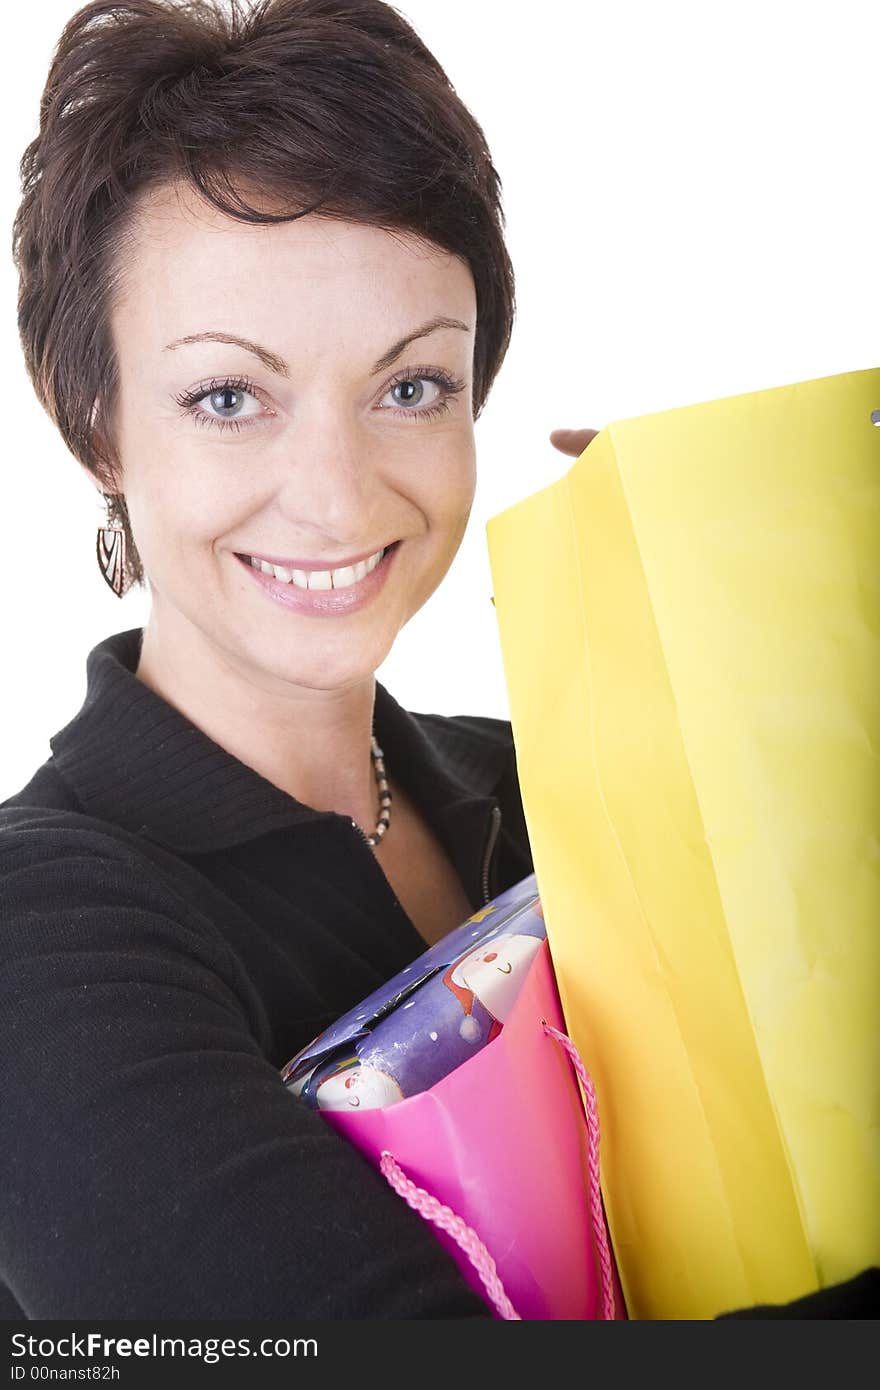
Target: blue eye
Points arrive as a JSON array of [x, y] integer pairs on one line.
[[226, 394], [230, 399], [415, 392]]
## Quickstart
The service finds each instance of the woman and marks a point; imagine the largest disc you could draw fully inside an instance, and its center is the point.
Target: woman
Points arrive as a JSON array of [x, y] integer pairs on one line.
[[264, 295]]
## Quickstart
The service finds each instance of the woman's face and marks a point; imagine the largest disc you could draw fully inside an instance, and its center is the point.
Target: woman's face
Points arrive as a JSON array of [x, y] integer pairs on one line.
[[318, 449]]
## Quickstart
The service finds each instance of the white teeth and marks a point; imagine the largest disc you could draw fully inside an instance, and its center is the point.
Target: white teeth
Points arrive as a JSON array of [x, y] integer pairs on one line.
[[321, 579], [344, 577]]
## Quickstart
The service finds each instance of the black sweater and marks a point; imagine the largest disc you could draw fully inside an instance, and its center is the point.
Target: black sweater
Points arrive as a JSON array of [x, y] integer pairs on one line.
[[174, 928]]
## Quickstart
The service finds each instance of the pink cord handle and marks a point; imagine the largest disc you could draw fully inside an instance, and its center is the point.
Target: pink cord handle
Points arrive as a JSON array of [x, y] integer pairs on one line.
[[466, 1237], [597, 1211]]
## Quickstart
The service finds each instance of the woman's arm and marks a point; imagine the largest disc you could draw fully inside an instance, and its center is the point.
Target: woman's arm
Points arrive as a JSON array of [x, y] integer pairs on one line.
[[153, 1164]]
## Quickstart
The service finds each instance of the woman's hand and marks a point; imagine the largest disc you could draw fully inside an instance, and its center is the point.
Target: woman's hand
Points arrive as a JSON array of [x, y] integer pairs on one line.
[[572, 442]]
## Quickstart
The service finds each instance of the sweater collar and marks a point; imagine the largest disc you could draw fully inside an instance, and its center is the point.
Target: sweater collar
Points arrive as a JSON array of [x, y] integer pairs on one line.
[[132, 758]]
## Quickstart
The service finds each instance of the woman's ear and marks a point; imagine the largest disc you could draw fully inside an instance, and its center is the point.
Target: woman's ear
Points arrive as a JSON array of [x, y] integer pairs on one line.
[[103, 452], [95, 482], [100, 487]]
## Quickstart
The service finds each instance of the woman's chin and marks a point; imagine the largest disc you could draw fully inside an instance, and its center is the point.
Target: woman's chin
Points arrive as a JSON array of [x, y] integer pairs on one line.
[[326, 667]]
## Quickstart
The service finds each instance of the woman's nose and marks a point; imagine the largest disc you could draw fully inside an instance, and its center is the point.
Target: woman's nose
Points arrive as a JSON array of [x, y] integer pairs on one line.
[[331, 482]]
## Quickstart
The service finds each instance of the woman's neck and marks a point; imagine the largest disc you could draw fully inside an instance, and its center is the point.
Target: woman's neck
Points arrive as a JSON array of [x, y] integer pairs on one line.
[[313, 744]]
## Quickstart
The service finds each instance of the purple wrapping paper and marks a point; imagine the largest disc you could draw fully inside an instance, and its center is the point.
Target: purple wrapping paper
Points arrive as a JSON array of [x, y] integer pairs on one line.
[[428, 1019]]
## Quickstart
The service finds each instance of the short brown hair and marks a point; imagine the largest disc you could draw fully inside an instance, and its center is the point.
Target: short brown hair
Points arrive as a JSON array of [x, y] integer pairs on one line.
[[318, 105]]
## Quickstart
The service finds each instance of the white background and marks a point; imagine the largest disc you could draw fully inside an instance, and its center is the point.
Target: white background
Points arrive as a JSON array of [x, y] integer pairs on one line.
[[691, 193]]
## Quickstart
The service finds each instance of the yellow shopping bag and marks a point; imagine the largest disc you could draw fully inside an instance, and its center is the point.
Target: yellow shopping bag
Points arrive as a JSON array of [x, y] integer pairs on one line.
[[690, 631]]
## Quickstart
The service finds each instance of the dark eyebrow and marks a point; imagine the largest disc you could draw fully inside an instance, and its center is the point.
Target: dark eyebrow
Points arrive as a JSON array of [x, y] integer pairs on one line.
[[430, 327], [279, 366], [269, 359]]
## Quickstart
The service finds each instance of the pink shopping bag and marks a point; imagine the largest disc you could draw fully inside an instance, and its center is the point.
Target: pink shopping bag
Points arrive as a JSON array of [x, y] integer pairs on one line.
[[502, 1157]]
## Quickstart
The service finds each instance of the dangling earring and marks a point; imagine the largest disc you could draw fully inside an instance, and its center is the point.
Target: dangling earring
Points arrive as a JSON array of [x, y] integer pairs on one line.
[[111, 554]]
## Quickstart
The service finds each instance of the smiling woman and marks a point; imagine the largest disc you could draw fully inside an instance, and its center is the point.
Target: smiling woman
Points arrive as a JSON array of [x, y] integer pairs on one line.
[[264, 293], [311, 466]]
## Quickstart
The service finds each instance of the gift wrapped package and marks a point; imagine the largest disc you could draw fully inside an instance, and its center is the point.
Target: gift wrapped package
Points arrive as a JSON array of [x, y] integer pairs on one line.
[[436, 1014], [692, 659], [450, 1073]]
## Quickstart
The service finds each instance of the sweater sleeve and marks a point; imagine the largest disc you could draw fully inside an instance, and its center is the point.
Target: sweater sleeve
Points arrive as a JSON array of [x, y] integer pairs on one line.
[[153, 1165]]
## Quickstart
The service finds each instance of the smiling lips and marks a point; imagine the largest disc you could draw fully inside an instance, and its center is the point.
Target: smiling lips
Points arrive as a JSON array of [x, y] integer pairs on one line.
[[340, 577], [324, 593]]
